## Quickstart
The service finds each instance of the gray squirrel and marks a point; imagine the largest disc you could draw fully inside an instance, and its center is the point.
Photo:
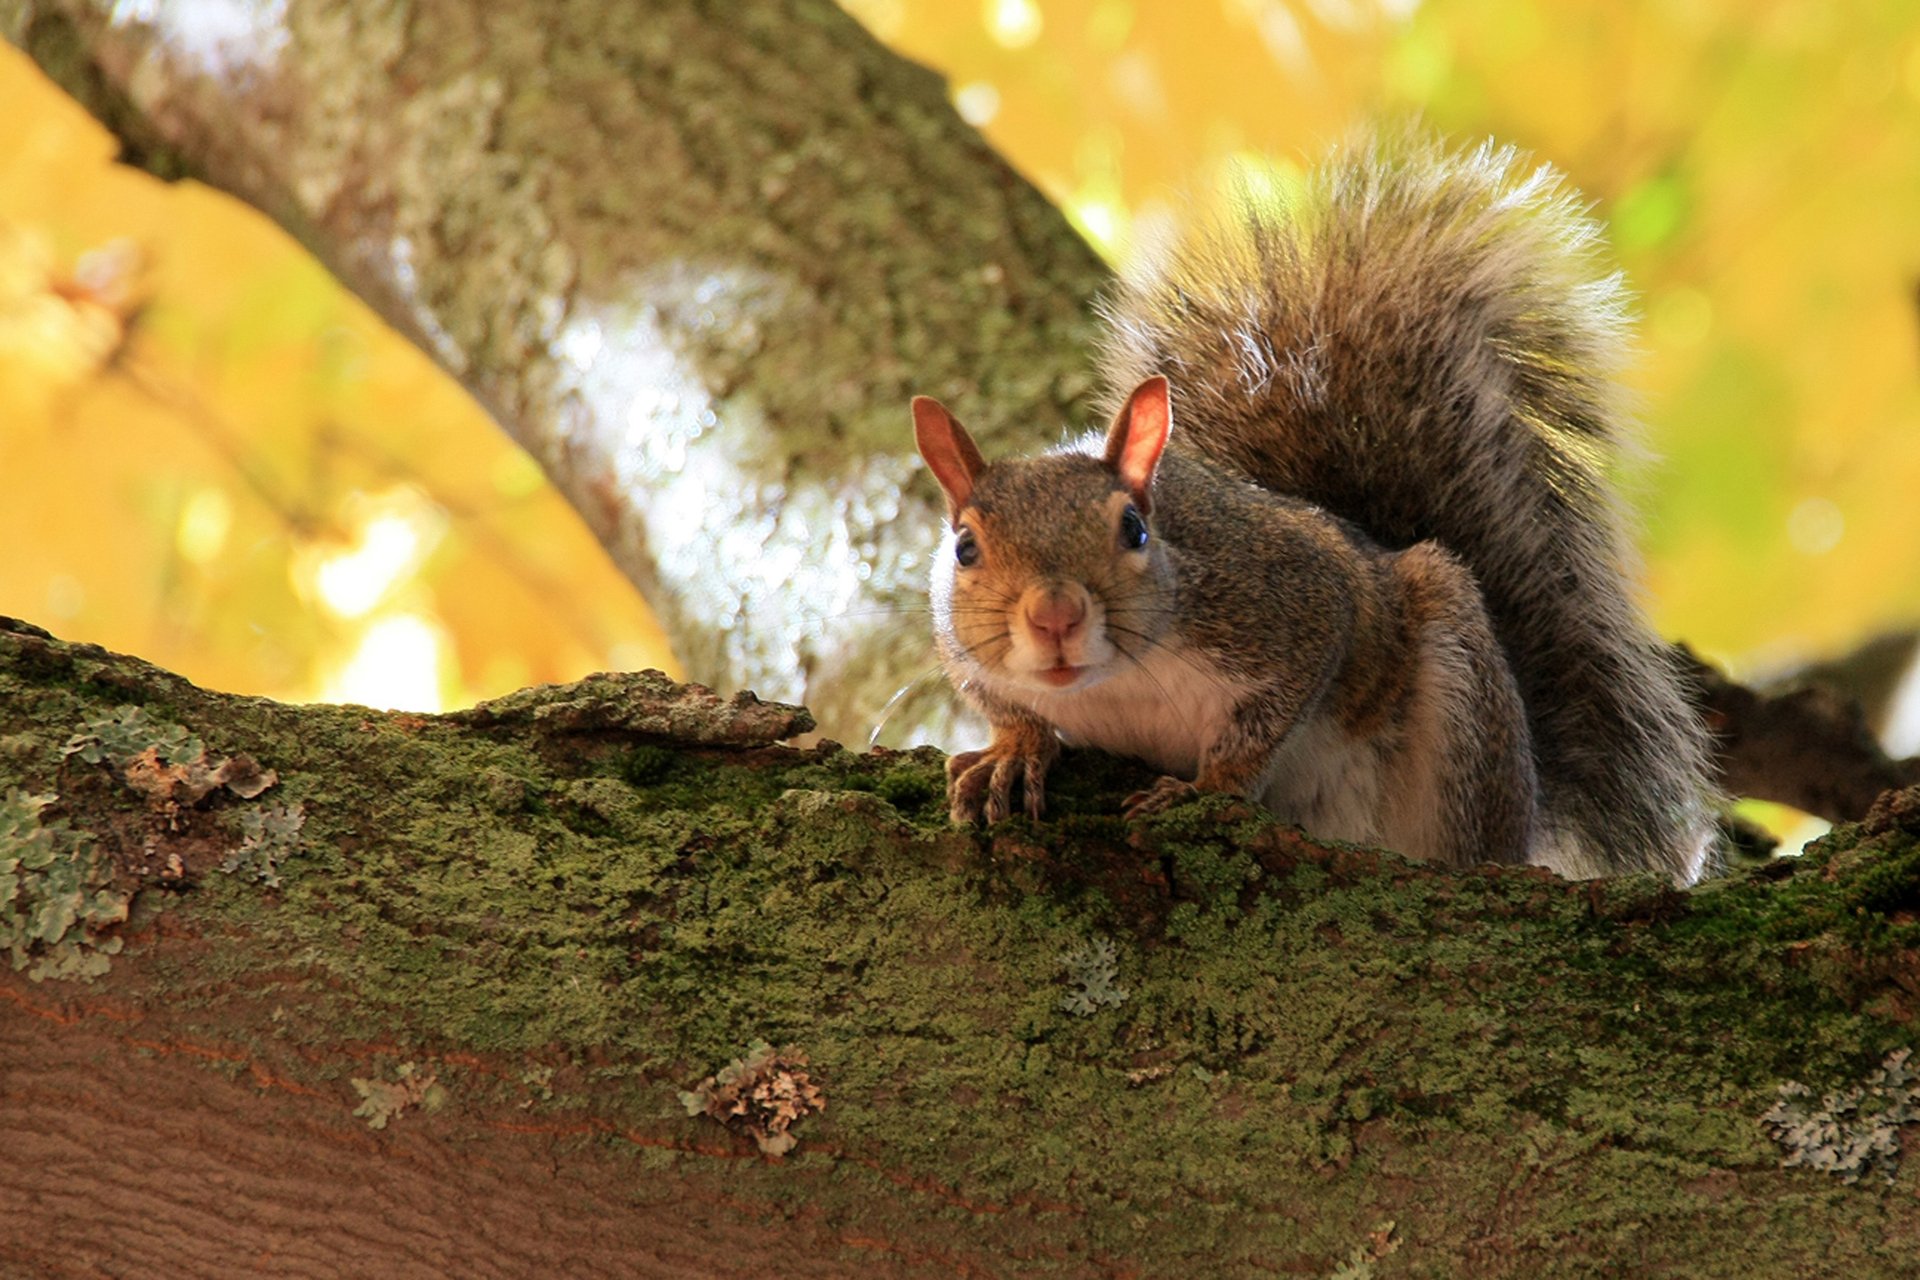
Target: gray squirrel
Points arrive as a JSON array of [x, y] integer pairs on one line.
[[1349, 547]]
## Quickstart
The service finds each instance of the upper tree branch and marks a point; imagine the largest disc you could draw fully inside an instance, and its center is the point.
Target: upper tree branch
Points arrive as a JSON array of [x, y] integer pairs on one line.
[[695, 258]]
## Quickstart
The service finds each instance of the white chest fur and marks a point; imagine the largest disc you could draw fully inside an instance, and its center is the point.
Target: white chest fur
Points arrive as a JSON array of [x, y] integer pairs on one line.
[[1163, 709], [1330, 784], [1166, 709]]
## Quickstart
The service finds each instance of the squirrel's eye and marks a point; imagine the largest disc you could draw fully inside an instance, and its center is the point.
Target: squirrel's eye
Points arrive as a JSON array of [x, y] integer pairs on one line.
[[1133, 530], [965, 549]]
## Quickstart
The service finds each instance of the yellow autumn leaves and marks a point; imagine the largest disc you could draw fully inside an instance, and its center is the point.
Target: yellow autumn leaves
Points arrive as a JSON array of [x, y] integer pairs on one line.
[[59, 324], [212, 456]]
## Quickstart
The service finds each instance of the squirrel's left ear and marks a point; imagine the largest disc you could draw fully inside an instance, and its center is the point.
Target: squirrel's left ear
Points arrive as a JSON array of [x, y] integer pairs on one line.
[[1139, 435]]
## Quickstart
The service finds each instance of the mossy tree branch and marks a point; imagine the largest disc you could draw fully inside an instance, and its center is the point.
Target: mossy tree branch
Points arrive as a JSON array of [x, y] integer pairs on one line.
[[1195, 1046]]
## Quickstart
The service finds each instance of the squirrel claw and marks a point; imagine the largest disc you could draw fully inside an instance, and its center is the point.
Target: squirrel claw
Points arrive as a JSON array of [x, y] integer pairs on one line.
[[1161, 796], [980, 785]]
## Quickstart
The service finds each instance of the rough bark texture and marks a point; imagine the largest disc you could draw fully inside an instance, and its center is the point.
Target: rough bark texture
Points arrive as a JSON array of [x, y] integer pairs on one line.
[[1197, 1046], [694, 256]]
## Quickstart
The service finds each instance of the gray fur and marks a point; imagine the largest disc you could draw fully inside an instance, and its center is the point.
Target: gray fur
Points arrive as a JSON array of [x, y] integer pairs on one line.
[[1424, 343]]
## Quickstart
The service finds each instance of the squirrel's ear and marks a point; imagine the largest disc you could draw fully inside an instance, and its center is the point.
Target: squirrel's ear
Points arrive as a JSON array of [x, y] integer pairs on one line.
[[948, 449], [1139, 435]]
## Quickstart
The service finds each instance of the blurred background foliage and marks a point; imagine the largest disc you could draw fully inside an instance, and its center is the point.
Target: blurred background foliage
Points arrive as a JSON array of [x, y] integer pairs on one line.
[[212, 457]]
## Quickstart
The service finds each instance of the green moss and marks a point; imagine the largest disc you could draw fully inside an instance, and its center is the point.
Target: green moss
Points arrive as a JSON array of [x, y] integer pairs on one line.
[[647, 764]]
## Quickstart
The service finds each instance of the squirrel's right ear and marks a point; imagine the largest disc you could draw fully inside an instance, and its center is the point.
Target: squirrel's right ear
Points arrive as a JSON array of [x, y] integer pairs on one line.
[[948, 449], [1139, 435]]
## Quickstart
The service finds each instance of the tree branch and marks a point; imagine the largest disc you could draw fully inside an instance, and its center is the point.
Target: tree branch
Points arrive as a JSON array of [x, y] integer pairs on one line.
[[1198, 1045], [1803, 746]]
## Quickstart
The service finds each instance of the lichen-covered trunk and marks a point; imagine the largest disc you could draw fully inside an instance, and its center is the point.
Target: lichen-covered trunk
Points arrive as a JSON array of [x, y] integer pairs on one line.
[[694, 256], [392, 995]]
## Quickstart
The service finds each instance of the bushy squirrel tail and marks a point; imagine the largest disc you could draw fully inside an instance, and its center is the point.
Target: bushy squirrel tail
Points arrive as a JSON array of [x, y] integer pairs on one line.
[[1425, 342]]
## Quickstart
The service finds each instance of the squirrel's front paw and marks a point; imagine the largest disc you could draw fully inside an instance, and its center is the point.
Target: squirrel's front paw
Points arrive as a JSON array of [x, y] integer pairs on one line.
[[1161, 796], [980, 784]]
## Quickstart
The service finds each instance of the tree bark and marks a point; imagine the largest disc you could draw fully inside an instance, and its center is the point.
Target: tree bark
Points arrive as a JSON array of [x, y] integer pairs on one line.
[[695, 257], [520, 938], [1805, 744]]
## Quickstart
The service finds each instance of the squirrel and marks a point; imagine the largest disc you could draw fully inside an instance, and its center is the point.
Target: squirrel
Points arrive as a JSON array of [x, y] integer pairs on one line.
[[1377, 577]]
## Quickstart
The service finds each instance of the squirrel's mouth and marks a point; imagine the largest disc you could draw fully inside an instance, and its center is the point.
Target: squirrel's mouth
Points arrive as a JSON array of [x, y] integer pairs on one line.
[[1061, 676]]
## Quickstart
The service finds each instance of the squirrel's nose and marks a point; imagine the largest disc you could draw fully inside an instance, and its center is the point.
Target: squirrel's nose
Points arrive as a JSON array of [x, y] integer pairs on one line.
[[1057, 612]]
